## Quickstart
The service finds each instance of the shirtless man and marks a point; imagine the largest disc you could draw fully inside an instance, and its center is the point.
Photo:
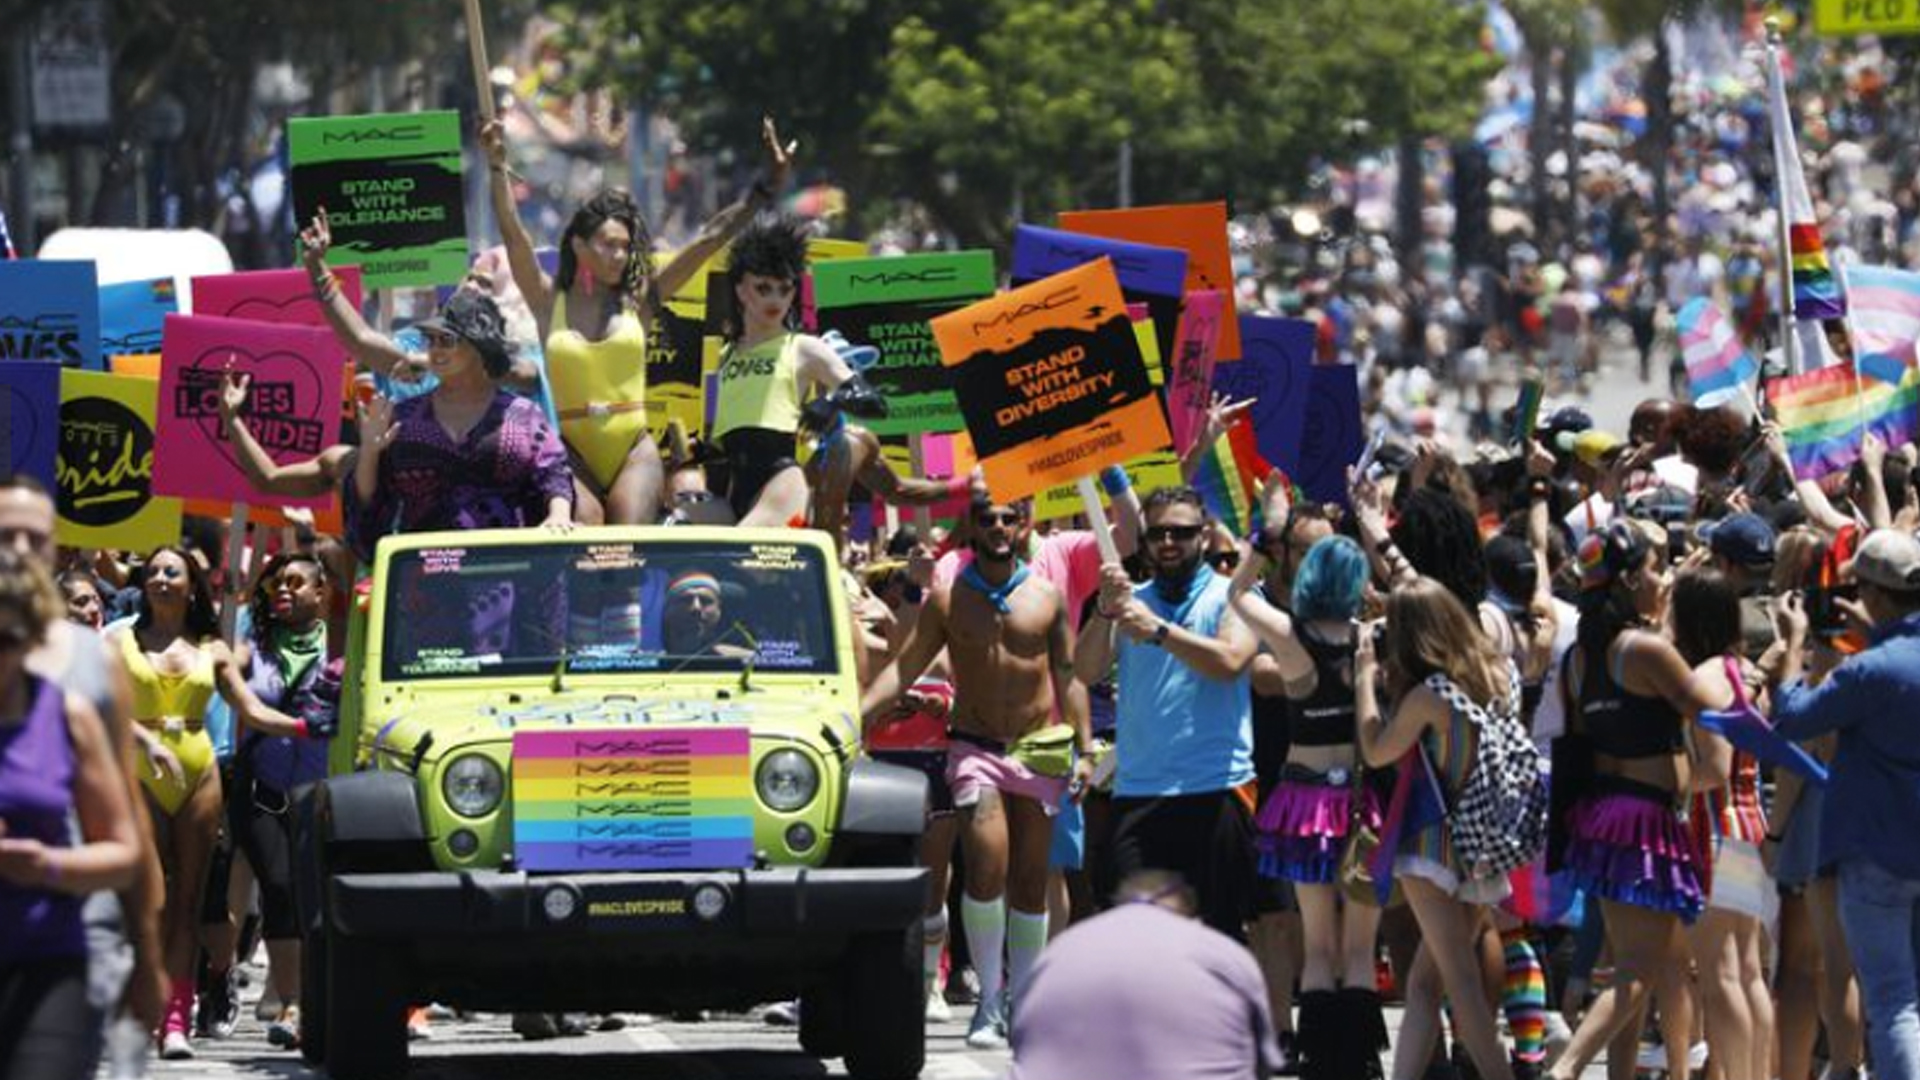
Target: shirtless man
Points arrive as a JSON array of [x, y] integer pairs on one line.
[[1005, 632]]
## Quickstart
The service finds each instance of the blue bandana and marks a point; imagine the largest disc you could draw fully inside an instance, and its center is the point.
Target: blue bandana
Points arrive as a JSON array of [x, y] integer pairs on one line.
[[995, 594]]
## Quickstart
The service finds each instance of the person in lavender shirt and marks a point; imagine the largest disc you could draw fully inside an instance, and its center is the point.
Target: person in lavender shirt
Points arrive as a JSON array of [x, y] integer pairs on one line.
[[55, 764]]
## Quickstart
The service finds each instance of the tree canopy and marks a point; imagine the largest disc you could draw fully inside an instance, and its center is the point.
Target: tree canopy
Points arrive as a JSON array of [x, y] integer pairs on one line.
[[974, 108]]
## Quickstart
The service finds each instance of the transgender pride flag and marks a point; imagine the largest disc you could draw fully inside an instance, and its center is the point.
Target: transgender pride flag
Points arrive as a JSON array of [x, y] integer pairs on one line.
[[1886, 320], [1715, 360]]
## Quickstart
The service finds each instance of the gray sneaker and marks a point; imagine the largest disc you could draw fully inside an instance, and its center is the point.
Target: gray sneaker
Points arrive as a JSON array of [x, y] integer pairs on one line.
[[988, 1031]]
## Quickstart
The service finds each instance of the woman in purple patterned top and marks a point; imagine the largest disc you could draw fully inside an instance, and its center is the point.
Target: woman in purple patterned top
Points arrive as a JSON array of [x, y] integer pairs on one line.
[[469, 455]]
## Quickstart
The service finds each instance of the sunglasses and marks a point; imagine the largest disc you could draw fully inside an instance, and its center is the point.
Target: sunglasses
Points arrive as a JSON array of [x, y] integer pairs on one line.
[[1224, 561], [1158, 534], [441, 339], [987, 519]]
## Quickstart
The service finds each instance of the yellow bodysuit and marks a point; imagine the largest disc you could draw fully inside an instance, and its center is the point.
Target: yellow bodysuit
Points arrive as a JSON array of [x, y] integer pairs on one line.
[[174, 708], [599, 389]]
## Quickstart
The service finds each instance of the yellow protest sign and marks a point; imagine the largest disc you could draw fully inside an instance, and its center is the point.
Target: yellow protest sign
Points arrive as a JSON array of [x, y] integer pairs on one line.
[[1845, 18], [105, 465]]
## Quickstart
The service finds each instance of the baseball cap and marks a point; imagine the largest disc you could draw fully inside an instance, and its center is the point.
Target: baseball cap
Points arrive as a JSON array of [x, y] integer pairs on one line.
[[1890, 559], [1591, 446], [1747, 539]]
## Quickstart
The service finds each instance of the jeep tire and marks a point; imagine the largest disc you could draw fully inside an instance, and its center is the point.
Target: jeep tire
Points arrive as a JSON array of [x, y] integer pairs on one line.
[[313, 997], [367, 1004], [885, 989]]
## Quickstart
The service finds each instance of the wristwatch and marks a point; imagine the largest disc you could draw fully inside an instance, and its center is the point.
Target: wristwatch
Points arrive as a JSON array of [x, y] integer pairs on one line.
[[1160, 633]]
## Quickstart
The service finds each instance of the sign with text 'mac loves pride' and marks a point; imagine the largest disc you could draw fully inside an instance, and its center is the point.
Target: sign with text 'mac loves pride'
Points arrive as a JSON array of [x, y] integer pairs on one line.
[[890, 304], [50, 310], [293, 403], [105, 466], [1051, 382], [392, 191], [632, 799]]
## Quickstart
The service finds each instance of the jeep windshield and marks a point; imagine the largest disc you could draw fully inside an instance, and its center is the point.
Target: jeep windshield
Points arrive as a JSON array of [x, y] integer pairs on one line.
[[607, 608]]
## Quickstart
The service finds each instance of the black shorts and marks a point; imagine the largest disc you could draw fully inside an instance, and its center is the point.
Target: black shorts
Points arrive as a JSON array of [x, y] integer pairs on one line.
[[934, 764], [754, 456], [1206, 839]]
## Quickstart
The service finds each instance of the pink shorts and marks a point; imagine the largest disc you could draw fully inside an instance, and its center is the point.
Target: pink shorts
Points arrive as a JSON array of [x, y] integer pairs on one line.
[[972, 767]]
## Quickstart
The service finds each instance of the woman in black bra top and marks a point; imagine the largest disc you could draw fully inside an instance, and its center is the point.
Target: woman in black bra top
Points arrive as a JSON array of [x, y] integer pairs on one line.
[[1632, 695], [1303, 826]]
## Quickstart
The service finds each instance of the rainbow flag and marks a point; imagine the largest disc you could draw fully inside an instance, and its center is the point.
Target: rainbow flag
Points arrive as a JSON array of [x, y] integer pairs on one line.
[[1825, 412], [1229, 478], [1715, 360], [633, 798], [1886, 320], [1816, 293]]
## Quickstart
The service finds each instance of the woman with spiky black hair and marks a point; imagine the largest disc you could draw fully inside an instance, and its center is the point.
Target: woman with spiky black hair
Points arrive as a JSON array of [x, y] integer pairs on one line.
[[767, 372], [593, 316]]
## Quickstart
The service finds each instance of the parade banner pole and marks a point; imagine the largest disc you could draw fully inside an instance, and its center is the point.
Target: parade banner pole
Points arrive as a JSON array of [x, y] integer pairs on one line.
[[1097, 518], [236, 580], [917, 461], [1789, 347], [477, 49]]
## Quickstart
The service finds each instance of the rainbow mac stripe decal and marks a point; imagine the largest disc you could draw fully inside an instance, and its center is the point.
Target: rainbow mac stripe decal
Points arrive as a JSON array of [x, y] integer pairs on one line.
[[634, 799]]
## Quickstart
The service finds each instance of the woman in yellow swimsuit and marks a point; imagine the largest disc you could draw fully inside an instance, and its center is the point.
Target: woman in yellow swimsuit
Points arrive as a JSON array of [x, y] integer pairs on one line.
[[175, 660], [593, 316]]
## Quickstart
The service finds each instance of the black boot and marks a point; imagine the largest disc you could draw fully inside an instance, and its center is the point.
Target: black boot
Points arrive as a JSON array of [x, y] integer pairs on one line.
[[1318, 1035], [1365, 1024]]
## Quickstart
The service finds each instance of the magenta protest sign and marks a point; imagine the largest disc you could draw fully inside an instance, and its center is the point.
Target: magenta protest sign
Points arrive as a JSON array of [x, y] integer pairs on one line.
[[1190, 375], [292, 410], [270, 296]]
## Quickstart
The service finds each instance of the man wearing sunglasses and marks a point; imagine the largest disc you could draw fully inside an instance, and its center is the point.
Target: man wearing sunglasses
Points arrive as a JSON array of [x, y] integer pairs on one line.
[[1184, 723], [1005, 631]]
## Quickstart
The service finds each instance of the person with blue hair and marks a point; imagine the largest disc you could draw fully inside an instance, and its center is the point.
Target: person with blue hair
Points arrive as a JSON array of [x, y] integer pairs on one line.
[[1321, 795]]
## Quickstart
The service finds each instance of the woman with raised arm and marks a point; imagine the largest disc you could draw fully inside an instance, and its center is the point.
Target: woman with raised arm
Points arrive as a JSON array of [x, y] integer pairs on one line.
[[594, 314], [1304, 826]]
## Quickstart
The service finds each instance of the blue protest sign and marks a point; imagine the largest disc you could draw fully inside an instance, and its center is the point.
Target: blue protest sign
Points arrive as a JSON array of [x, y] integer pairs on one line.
[[30, 416], [49, 310], [1148, 275], [131, 314], [1334, 435], [1273, 372]]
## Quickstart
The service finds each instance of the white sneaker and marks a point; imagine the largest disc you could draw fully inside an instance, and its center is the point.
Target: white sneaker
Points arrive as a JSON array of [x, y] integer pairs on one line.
[[988, 1031], [938, 1011], [175, 1046], [1558, 1036], [1653, 1057]]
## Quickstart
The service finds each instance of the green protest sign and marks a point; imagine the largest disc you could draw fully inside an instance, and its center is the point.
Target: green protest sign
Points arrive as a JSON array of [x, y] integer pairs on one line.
[[888, 303], [1849, 18], [391, 188]]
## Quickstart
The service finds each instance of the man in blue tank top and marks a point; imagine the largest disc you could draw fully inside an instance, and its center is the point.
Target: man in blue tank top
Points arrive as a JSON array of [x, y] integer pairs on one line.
[[1184, 731]]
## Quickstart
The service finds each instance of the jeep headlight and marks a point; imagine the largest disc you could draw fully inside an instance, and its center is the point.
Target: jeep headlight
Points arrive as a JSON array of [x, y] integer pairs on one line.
[[787, 780], [473, 785]]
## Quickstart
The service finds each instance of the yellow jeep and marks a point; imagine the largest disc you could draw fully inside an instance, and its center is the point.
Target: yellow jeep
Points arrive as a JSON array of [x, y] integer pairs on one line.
[[617, 769]]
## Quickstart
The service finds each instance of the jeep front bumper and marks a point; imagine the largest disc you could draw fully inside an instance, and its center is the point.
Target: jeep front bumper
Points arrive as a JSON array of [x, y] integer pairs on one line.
[[767, 903]]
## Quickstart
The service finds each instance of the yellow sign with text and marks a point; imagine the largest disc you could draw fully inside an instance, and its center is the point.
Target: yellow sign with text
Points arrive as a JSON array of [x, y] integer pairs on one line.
[[1845, 18]]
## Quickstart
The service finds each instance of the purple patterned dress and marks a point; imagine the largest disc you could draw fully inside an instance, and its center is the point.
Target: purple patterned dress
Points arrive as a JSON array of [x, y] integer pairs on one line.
[[502, 474]]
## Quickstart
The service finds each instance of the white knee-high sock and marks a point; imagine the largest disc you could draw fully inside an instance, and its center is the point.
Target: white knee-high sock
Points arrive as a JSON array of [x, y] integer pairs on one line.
[[936, 943], [986, 925], [1026, 936]]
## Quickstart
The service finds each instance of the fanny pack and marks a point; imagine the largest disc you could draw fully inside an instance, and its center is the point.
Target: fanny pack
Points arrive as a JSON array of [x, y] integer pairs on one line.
[[1047, 751]]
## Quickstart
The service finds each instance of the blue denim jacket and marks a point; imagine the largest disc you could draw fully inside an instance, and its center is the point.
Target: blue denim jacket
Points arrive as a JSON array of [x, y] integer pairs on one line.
[[1873, 700]]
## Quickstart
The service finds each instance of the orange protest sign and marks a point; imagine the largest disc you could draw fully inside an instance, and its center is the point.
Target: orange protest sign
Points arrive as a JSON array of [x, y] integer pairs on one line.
[[1199, 229], [327, 520], [1051, 382], [137, 365]]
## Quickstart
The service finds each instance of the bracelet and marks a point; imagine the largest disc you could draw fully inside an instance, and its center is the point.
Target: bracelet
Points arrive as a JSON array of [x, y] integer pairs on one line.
[[1539, 487], [1115, 481], [1384, 547], [300, 729]]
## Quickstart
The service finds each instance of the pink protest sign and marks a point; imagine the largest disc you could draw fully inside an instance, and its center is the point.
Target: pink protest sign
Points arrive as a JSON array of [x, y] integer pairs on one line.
[[270, 296], [293, 406], [1190, 384]]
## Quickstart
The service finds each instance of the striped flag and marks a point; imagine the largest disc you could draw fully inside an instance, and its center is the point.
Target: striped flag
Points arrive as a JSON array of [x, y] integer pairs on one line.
[[1816, 293], [1825, 413], [1229, 477], [1715, 359], [1417, 803], [1885, 307]]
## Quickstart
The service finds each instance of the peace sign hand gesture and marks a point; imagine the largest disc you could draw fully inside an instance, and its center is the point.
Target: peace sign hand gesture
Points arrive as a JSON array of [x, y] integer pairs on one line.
[[779, 155], [315, 240]]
